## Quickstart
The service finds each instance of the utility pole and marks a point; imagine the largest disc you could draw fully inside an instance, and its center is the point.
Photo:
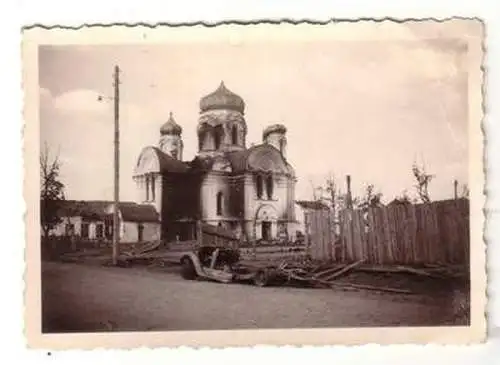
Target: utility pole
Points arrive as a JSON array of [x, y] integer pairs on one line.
[[349, 194], [116, 223], [455, 189]]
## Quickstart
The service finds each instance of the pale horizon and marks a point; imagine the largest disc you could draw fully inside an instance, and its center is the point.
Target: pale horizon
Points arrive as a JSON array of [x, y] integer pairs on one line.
[[367, 109]]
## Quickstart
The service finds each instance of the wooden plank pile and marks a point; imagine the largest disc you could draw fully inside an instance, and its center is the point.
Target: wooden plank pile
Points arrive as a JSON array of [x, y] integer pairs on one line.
[[329, 275], [138, 250]]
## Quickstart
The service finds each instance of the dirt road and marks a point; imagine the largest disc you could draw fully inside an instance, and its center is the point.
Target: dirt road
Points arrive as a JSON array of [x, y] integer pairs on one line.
[[88, 298]]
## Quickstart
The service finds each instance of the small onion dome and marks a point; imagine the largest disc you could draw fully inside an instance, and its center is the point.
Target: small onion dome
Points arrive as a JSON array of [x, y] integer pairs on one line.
[[222, 98], [275, 128], [171, 127]]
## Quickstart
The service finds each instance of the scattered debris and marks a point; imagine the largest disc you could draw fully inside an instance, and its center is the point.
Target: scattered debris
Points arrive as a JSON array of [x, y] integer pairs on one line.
[[338, 275], [139, 249], [303, 271], [371, 287]]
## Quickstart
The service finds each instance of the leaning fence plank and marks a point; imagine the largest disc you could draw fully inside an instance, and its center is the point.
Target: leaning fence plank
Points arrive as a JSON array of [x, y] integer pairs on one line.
[[364, 245], [381, 235], [370, 219], [387, 235], [356, 236], [343, 234]]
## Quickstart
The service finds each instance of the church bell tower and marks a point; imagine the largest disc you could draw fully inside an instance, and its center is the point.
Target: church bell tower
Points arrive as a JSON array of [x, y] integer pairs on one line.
[[171, 140]]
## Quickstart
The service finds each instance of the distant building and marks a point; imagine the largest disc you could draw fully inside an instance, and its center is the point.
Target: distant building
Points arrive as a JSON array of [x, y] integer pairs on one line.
[[312, 205], [249, 191], [399, 201], [93, 220], [307, 206]]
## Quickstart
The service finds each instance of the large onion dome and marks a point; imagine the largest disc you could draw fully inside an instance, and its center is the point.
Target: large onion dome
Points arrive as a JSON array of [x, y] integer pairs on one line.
[[222, 98]]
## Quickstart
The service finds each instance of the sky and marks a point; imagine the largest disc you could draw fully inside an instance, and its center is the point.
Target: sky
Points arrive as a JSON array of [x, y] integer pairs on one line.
[[367, 109]]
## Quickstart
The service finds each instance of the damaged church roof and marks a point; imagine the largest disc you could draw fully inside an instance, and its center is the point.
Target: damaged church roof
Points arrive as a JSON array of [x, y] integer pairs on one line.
[[262, 157]]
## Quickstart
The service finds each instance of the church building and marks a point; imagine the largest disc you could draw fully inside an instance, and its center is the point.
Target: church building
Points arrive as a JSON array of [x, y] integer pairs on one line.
[[249, 191]]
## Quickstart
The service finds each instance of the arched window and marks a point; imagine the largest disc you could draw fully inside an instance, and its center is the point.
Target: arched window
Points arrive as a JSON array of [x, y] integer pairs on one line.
[[269, 186], [147, 187], [259, 186], [153, 192], [219, 203], [234, 135], [217, 137]]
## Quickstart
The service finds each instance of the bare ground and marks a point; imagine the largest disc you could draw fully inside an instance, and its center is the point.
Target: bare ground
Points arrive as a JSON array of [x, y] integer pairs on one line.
[[84, 298]]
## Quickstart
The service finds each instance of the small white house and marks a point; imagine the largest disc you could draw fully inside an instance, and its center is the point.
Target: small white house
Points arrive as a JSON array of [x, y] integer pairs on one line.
[[93, 220], [138, 222]]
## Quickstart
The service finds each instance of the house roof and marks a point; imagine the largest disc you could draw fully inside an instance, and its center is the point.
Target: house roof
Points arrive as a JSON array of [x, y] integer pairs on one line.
[[99, 210], [313, 205], [93, 209], [138, 212], [398, 201]]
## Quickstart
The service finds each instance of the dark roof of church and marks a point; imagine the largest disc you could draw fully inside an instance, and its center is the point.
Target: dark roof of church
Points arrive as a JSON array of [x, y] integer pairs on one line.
[[170, 164], [241, 160], [238, 159]]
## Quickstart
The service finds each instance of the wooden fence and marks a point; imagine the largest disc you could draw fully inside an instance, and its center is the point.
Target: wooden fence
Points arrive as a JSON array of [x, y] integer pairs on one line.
[[433, 233]]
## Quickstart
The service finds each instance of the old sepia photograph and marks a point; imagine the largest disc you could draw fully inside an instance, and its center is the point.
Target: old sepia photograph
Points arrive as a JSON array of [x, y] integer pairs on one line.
[[234, 178]]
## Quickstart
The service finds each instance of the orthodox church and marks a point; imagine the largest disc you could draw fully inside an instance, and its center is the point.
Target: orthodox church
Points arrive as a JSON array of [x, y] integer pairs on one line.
[[249, 191]]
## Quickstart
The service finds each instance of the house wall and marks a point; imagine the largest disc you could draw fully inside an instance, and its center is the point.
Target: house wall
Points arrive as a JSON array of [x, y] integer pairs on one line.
[[60, 229], [77, 222], [130, 231]]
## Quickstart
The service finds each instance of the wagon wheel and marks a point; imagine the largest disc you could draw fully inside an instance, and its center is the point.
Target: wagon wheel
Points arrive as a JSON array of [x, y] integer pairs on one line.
[[261, 278], [188, 271]]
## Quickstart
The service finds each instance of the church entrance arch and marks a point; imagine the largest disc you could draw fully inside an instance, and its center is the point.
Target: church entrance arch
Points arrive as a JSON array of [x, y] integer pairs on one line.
[[265, 223]]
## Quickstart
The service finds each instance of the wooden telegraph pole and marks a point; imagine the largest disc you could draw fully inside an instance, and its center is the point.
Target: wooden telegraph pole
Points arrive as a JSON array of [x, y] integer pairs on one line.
[[349, 193], [116, 223]]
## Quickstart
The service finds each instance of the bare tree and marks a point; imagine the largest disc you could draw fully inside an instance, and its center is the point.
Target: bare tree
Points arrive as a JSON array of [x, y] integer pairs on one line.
[[51, 190], [404, 198], [465, 191], [371, 199], [331, 195], [423, 180]]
